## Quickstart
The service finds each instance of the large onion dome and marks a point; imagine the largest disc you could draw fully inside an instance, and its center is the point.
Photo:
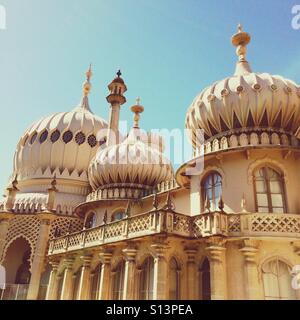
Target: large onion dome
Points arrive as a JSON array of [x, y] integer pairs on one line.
[[259, 107], [129, 169], [61, 144]]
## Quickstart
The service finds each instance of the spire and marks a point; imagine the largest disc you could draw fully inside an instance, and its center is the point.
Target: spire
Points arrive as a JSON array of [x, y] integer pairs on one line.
[[137, 109], [86, 89], [240, 41]]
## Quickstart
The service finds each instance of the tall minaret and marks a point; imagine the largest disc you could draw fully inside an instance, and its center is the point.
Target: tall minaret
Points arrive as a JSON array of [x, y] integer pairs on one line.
[[116, 98]]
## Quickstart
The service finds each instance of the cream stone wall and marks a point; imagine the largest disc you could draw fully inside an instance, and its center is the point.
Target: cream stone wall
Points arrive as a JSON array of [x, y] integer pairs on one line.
[[236, 170]]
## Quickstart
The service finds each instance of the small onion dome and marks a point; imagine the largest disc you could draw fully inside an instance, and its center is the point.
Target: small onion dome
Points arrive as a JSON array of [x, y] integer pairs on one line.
[[63, 143], [246, 101], [131, 164]]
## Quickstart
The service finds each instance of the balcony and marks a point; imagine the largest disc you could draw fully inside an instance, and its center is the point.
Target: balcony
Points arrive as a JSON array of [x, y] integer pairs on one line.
[[200, 226]]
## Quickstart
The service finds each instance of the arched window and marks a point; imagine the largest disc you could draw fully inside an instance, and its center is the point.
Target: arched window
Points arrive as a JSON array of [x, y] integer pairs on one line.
[[277, 281], [147, 279], [174, 280], [212, 189], [118, 283], [96, 274], [90, 221], [204, 280], [118, 215], [269, 191]]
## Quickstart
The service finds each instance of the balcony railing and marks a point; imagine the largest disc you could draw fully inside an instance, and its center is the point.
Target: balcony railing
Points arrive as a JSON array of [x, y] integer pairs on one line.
[[203, 225]]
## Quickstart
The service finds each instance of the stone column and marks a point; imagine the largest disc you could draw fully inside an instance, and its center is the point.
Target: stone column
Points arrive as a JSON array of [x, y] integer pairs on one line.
[[130, 274], [160, 272], [85, 279], [253, 288], [39, 259], [218, 276], [191, 271], [4, 225], [105, 278], [52, 289], [68, 283]]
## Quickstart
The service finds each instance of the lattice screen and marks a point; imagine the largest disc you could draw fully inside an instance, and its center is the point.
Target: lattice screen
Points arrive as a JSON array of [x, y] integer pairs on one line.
[[22, 226]]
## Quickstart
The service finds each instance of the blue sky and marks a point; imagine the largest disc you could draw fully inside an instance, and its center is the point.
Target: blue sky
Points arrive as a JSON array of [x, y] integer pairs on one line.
[[168, 51]]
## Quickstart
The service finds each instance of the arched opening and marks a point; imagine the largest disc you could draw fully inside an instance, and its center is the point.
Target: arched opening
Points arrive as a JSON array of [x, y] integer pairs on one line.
[[118, 282], [95, 285], [90, 221], [212, 189], [174, 280], [277, 280], [269, 190], [204, 281], [17, 266], [147, 279], [118, 215]]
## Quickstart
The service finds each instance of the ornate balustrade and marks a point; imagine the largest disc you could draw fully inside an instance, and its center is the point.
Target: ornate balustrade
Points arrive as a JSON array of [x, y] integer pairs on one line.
[[203, 225], [136, 226], [264, 224]]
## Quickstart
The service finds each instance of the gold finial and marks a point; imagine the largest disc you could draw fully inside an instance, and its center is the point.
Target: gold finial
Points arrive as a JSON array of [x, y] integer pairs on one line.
[[137, 109], [87, 84], [89, 73], [240, 28], [240, 40]]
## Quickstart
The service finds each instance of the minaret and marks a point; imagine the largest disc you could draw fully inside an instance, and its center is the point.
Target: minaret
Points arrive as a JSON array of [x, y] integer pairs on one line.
[[116, 98], [240, 41], [86, 89]]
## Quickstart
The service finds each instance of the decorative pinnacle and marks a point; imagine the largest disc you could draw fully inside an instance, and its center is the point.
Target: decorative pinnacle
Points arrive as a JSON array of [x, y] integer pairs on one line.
[[240, 40], [54, 183], [15, 182], [119, 73], [137, 109], [87, 84], [244, 204]]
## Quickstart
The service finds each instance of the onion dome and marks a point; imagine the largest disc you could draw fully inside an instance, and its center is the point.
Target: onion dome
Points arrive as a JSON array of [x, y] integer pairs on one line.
[[247, 108], [62, 144], [129, 169]]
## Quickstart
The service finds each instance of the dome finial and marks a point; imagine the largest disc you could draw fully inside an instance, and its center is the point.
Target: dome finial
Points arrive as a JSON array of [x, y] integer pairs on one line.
[[86, 89], [240, 28], [137, 109], [87, 84], [240, 41]]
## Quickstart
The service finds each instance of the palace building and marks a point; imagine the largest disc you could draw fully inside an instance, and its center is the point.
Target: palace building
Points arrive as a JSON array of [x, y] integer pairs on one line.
[[90, 214]]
